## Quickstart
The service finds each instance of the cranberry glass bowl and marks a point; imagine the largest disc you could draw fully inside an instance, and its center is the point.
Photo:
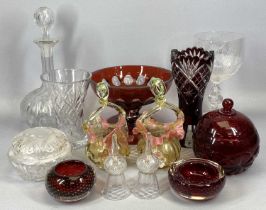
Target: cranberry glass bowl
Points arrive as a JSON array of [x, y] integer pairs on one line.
[[70, 181], [131, 97], [196, 178]]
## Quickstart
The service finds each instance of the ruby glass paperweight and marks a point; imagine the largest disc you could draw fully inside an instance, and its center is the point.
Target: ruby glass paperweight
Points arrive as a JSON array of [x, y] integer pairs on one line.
[[192, 70], [164, 136], [196, 179], [115, 165], [227, 137], [147, 186], [128, 88], [35, 150], [100, 132], [70, 181]]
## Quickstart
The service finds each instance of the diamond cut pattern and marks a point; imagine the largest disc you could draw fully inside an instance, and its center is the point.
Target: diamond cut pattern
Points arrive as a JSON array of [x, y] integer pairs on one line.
[[68, 104], [192, 70]]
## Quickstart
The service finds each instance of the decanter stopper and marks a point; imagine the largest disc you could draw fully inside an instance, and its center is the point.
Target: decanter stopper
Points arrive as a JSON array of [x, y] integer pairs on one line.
[[115, 165], [147, 186], [44, 18]]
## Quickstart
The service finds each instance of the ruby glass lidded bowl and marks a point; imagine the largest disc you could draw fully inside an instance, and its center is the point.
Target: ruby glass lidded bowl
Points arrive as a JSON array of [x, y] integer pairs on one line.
[[196, 178], [131, 96], [227, 137], [70, 181]]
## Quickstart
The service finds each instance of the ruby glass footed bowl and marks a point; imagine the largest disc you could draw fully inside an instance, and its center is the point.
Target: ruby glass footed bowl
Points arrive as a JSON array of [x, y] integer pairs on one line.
[[128, 87], [196, 178], [70, 181]]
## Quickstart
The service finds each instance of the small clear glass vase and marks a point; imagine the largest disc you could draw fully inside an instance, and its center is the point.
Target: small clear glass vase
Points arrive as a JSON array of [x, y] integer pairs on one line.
[[63, 93]]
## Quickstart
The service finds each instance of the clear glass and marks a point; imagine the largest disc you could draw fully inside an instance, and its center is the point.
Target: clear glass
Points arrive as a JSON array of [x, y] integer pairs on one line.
[[147, 186], [41, 113], [66, 95], [35, 150], [228, 58], [116, 187]]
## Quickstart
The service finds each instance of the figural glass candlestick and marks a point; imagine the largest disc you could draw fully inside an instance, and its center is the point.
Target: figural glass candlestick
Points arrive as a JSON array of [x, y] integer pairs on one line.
[[116, 187], [34, 111], [147, 186]]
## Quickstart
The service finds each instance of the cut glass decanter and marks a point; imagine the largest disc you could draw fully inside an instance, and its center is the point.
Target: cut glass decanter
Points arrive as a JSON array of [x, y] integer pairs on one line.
[[34, 108]]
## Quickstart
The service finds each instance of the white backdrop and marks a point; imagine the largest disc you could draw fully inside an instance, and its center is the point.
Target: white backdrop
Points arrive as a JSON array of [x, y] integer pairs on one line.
[[95, 34]]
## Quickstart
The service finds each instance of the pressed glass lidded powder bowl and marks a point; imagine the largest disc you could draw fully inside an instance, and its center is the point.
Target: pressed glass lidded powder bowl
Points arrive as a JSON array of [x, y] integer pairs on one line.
[[35, 150]]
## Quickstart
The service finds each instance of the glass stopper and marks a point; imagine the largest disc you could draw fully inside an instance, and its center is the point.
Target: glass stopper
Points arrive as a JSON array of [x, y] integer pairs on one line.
[[44, 18]]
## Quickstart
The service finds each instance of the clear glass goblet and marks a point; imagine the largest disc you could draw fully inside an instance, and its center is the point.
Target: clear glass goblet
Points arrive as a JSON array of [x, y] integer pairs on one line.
[[228, 58]]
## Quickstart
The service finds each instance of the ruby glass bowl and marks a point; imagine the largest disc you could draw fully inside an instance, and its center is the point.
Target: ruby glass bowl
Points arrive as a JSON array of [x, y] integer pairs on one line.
[[196, 178], [131, 97], [70, 181]]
